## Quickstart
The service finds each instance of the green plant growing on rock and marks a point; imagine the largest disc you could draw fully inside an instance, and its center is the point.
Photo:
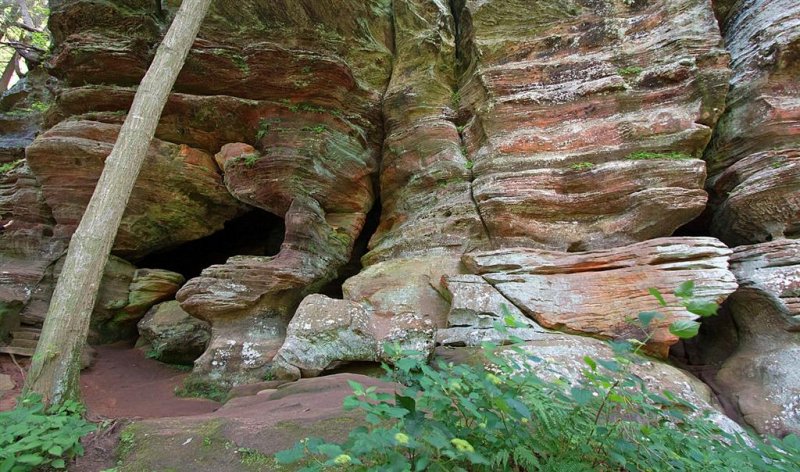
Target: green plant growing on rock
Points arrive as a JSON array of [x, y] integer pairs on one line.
[[578, 166], [250, 160], [502, 416], [32, 436], [9, 166], [630, 71]]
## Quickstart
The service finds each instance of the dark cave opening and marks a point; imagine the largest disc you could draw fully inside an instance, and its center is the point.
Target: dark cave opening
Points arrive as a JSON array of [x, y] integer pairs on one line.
[[257, 233], [700, 226]]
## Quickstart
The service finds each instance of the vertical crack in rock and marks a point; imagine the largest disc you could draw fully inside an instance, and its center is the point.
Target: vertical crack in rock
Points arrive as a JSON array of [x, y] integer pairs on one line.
[[463, 115]]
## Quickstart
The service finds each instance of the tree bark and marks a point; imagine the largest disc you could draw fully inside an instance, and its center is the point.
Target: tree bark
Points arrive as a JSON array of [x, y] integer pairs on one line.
[[55, 366], [8, 72]]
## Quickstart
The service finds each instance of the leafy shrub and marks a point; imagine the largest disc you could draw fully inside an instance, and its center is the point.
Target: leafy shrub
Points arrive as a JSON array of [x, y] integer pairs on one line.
[[32, 436], [502, 416]]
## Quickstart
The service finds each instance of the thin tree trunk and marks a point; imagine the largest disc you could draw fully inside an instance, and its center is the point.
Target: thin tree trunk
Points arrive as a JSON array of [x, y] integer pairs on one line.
[[26, 15], [55, 366], [8, 72]]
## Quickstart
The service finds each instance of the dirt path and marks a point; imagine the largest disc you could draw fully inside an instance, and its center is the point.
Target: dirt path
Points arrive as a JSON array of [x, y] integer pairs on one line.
[[123, 383]]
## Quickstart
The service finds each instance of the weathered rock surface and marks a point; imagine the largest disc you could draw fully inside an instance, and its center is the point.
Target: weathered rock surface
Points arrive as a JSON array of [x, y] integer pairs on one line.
[[393, 302], [425, 175], [566, 97], [172, 335], [324, 332], [762, 377], [597, 292], [250, 299], [178, 197], [754, 160], [475, 308], [152, 286]]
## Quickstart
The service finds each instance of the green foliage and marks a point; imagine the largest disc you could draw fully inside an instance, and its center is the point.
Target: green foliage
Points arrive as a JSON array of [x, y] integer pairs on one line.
[[646, 156], [581, 166], [32, 436], [503, 416], [9, 166], [455, 99], [250, 160], [199, 388], [630, 71], [318, 129], [469, 165]]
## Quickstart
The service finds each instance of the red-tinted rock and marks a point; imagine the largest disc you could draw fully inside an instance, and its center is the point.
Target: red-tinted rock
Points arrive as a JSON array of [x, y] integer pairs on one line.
[[754, 159], [597, 292], [564, 96], [178, 196]]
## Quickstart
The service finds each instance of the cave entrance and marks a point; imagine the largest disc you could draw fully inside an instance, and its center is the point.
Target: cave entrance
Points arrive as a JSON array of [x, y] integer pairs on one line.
[[256, 233]]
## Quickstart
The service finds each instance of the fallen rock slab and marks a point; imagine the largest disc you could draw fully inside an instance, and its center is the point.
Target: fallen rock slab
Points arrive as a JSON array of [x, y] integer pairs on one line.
[[597, 292]]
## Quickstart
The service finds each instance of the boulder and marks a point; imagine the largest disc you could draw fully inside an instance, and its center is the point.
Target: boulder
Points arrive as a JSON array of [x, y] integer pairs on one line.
[[397, 302], [323, 333], [762, 377], [172, 335], [250, 299], [598, 292], [476, 307]]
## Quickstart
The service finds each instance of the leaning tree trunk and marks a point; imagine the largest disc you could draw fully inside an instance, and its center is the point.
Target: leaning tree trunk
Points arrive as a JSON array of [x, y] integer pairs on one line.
[[55, 367], [8, 72]]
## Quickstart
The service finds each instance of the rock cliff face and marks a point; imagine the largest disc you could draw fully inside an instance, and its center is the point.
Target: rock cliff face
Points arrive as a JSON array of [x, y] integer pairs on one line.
[[469, 161]]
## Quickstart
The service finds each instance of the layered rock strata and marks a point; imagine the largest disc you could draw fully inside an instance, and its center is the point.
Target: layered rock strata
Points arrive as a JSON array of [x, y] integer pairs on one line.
[[762, 378], [600, 292], [178, 196], [754, 159], [588, 118]]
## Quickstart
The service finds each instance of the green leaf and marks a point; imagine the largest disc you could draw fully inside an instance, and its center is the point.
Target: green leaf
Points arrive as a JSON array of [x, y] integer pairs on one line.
[[657, 294], [406, 402], [702, 308], [685, 290], [646, 317], [58, 464], [290, 456], [56, 450], [330, 450], [357, 388], [31, 459], [590, 362], [581, 396], [684, 329]]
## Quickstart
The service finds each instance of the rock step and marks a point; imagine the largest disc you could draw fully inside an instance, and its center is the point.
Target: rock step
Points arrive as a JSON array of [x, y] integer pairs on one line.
[[26, 333], [26, 343], [17, 351]]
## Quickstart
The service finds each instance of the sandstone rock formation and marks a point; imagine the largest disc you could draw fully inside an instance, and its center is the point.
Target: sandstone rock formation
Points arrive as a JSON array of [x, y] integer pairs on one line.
[[762, 377], [522, 161], [588, 118], [599, 292], [170, 335], [754, 159], [178, 197]]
